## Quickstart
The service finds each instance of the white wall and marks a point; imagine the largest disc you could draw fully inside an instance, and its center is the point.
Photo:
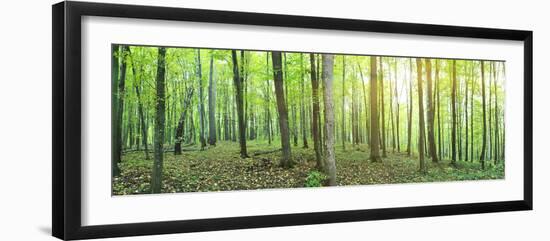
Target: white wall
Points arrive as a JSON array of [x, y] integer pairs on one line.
[[25, 106]]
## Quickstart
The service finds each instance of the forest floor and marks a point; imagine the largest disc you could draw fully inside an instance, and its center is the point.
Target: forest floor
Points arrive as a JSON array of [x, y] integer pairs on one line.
[[220, 168]]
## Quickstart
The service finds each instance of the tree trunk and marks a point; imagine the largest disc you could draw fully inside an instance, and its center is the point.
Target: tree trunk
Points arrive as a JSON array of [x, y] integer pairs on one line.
[[397, 111], [409, 130], [438, 110], [453, 110], [344, 103], [302, 105], [212, 104], [392, 124], [238, 81], [156, 177], [201, 103], [472, 115], [281, 108], [431, 112], [382, 111], [423, 168], [267, 99], [466, 153], [365, 103], [374, 131], [315, 114], [119, 141], [484, 138], [115, 136], [327, 76], [496, 148], [181, 121], [142, 123]]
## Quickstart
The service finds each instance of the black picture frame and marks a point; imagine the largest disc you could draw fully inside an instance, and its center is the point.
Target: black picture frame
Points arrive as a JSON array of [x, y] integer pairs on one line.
[[67, 135]]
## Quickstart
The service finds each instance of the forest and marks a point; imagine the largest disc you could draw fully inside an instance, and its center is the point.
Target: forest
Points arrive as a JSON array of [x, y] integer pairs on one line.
[[198, 120]]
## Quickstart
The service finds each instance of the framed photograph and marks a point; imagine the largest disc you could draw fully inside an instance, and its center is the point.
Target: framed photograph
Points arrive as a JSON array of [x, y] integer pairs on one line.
[[170, 120]]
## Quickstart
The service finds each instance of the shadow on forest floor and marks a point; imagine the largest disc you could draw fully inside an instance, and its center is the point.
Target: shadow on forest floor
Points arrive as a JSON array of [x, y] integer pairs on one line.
[[220, 168]]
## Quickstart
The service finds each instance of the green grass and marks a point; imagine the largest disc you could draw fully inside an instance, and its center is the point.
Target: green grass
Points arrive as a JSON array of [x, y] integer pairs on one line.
[[220, 168]]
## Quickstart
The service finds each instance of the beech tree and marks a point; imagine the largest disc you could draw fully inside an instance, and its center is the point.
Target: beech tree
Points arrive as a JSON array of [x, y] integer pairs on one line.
[[238, 81], [156, 177], [281, 108], [374, 137], [327, 76]]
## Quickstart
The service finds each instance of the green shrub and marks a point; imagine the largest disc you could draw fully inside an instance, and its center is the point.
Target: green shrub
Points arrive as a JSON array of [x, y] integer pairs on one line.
[[315, 179]]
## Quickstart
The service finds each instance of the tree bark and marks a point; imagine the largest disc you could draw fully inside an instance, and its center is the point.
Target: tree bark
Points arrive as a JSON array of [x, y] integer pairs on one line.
[[315, 114], [438, 110], [282, 109], [374, 133], [423, 168], [238, 81], [344, 103], [268, 101], [119, 140], [143, 124], [431, 113], [365, 103], [201, 100], [466, 153], [409, 130], [484, 138], [302, 105], [496, 128], [453, 109], [397, 111], [181, 121], [156, 177], [115, 136], [327, 76], [382, 109], [212, 104]]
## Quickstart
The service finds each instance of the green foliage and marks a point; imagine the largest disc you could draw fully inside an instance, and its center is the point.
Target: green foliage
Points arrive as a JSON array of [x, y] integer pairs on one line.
[[315, 179]]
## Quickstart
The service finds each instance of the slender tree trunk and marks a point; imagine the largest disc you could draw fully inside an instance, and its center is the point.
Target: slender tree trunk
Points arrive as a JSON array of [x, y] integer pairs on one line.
[[142, 123], [423, 168], [490, 115], [315, 114], [431, 113], [374, 133], [281, 108], [115, 135], [496, 148], [156, 177], [267, 99], [344, 103], [392, 124], [327, 76], [201, 103], [397, 111], [238, 81], [365, 103], [438, 110], [484, 138], [472, 115], [466, 157], [181, 122], [212, 104], [453, 110], [120, 140], [302, 104], [382, 111], [409, 130]]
